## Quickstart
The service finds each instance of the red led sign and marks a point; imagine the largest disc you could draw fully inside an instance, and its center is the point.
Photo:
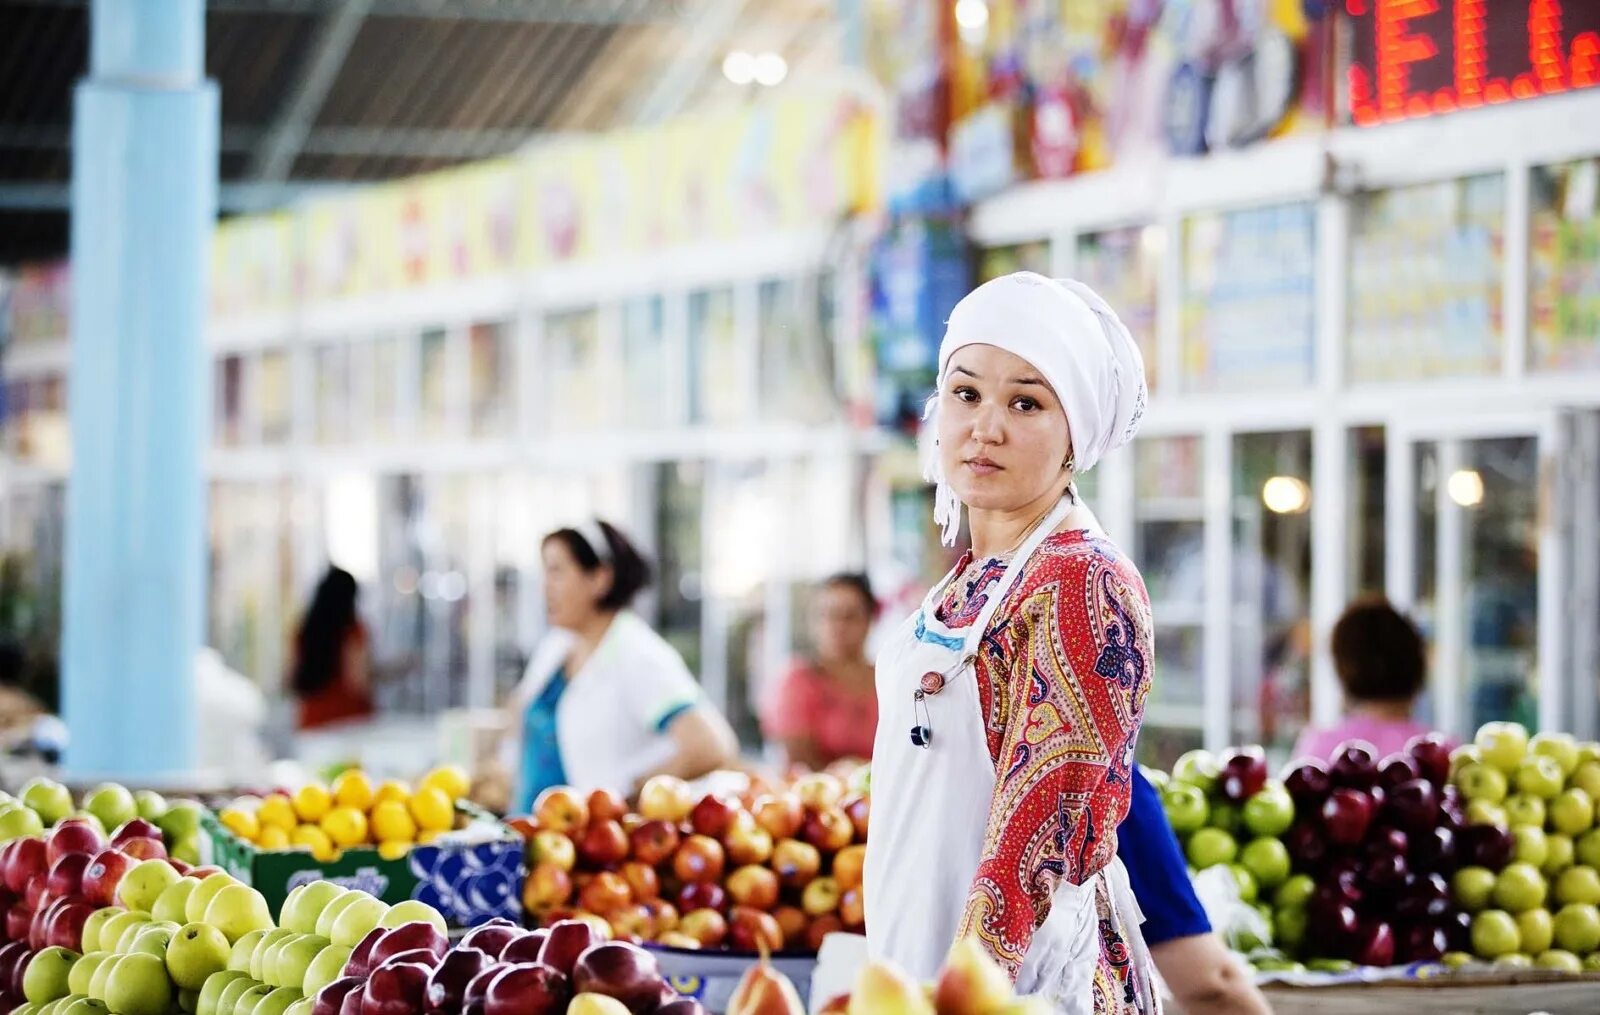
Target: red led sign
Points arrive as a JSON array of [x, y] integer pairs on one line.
[[1415, 58]]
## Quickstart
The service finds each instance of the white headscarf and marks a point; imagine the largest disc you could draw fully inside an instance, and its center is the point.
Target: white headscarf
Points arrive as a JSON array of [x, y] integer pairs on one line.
[[1076, 342]]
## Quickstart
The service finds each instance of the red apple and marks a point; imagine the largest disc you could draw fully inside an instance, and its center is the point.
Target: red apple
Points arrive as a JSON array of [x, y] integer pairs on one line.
[[18, 919], [1484, 846], [1395, 769], [1345, 816], [828, 829], [623, 971], [1308, 784], [351, 1005], [859, 810], [1332, 924], [1431, 752], [1414, 805], [779, 814], [604, 805], [663, 916], [603, 843], [747, 842], [630, 922], [849, 866], [360, 961], [853, 909], [528, 989], [492, 937], [702, 895], [1354, 765], [819, 789], [138, 828], [417, 956], [448, 984], [682, 1006], [204, 871], [643, 881], [1242, 774], [561, 809], [751, 929], [182, 868], [1422, 942], [26, 862], [39, 928], [525, 948], [396, 989], [38, 894], [653, 842], [547, 886], [1374, 944], [797, 863], [1386, 870], [704, 925], [1306, 845], [665, 798], [1436, 849], [818, 929], [606, 892], [14, 957], [712, 815], [753, 887], [1426, 897], [66, 926], [66, 875], [793, 922], [553, 848], [74, 835], [523, 826], [568, 940], [700, 858], [472, 1000], [407, 937]]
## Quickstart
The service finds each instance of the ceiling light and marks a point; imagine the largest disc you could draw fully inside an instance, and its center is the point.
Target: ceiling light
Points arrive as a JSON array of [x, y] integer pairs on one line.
[[1285, 495], [1465, 487], [972, 14], [771, 69], [739, 67]]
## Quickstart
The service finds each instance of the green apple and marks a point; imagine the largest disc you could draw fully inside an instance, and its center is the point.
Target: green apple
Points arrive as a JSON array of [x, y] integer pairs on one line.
[[1296, 892], [1249, 889], [1473, 888], [305, 903], [48, 798], [1540, 776], [414, 911], [1228, 817], [1466, 754], [186, 848], [188, 1001], [93, 926], [228, 1000], [237, 910], [1155, 777], [1504, 744], [1457, 960], [150, 805], [212, 991], [153, 940], [194, 910], [197, 951], [83, 1006], [331, 911], [325, 968], [60, 1004], [1586, 848], [1330, 965], [1198, 768], [1537, 930], [1516, 960], [1186, 807], [27, 1008], [1572, 813], [243, 951], [18, 822], [1270, 811], [1577, 884], [115, 807], [112, 930], [1482, 782], [102, 973], [1557, 959], [45, 977], [277, 1002], [261, 968], [1562, 747], [304, 1006], [1267, 859], [139, 986], [1558, 855], [359, 918], [1525, 809], [295, 957], [1289, 927], [142, 886], [1587, 778], [1495, 933], [1482, 812], [173, 902], [1207, 848], [1591, 963], [83, 972], [246, 1002], [1529, 845], [1577, 928], [1519, 888], [181, 818]]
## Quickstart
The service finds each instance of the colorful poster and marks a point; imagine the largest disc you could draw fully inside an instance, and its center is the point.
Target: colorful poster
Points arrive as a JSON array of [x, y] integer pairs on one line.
[[1123, 265], [1564, 267], [41, 303]]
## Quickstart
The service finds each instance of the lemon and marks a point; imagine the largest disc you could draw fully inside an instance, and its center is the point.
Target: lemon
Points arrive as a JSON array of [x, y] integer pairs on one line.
[[276, 810], [391, 822], [273, 837], [346, 826], [315, 839], [391, 789], [433, 810], [452, 779], [312, 801], [394, 850], [353, 789], [428, 837], [240, 822]]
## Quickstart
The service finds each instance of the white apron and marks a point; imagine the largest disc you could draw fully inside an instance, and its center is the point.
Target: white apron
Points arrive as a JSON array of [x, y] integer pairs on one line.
[[930, 806]]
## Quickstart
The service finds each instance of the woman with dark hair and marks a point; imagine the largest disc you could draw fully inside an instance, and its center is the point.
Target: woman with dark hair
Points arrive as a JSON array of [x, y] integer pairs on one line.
[[329, 676], [606, 702], [826, 707]]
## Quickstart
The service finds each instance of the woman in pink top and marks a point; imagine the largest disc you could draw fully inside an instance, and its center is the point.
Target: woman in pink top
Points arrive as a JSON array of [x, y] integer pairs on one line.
[[826, 708], [1382, 664]]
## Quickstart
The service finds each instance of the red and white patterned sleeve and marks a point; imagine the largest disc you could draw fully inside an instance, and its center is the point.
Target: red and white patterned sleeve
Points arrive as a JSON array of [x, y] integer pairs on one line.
[[1071, 669]]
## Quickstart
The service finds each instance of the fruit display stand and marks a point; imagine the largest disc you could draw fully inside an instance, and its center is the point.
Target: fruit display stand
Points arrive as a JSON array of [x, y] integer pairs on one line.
[[712, 977], [1460, 992], [471, 876]]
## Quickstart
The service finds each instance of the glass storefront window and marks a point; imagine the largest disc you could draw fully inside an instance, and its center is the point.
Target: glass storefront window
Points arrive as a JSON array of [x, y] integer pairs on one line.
[[572, 374], [796, 364], [228, 413], [272, 396], [490, 379], [1564, 267], [385, 387], [1123, 265], [720, 392], [644, 361], [1271, 520], [997, 261], [1425, 289], [1364, 510], [1248, 298], [332, 365], [679, 538], [434, 372]]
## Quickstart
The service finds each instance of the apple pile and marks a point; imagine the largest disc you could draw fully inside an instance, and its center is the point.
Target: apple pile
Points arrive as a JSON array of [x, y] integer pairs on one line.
[[775, 871], [1531, 871], [44, 803]]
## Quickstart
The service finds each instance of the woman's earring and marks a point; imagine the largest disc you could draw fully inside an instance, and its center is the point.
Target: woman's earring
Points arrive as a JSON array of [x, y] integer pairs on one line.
[[1067, 465]]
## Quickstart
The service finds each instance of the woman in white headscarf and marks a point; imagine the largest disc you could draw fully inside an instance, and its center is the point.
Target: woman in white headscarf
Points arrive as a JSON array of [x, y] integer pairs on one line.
[[1009, 703]]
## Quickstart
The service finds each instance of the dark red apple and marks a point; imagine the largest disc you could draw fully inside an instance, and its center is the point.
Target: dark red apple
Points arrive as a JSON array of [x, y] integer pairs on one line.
[[1484, 846], [360, 961], [1374, 944], [138, 828], [528, 988], [602, 844], [353, 1001], [472, 1000], [1457, 924], [1243, 773], [420, 956], [396, 989], [654, 842], [1343, 881], [448, 984], [1386, 870], [182, 868], [526, 948], [712, 815], [330, 999], [702, 895], [492, 937], [1395, 769], [12, 955], [1332, 924], [417, 935], [74, 835], [682, 1006], [1413, 805], [145, 849], [65, 929], [38, 894], [1354, 765], [1431, 752], [1386, 840], [1425, 897], [1306, 846], [1422, 942], [1435, 849], [1345, 816], [66, 875], [623, 971], [18, 919], [568, 940], [27, 862]]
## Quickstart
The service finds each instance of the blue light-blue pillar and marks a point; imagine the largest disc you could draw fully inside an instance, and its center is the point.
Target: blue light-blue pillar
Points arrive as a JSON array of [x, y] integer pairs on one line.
[[144, 195]]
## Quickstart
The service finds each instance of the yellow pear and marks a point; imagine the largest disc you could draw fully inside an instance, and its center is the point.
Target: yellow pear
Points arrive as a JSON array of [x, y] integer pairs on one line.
[[883, 989], [1030, 1005], [972, 983], [762, 990]]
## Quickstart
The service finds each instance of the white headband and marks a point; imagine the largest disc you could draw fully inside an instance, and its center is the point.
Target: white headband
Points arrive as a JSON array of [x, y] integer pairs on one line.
[[590, 532], [1075, 340]]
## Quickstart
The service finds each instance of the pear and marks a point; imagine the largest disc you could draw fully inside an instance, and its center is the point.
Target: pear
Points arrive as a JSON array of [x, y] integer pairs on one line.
[[971, 983], [882, 989], [762, 990]]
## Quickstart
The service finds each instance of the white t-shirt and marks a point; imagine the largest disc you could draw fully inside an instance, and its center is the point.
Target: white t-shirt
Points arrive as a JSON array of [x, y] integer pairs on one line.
[[611, 719]]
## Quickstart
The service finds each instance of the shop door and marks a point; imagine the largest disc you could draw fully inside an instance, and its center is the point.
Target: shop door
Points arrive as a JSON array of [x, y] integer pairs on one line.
[[1484, 552]]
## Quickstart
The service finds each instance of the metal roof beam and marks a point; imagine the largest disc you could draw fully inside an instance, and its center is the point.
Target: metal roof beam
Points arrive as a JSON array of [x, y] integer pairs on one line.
[[390, 142], [274, 160], [542, 12], [707, 34]]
